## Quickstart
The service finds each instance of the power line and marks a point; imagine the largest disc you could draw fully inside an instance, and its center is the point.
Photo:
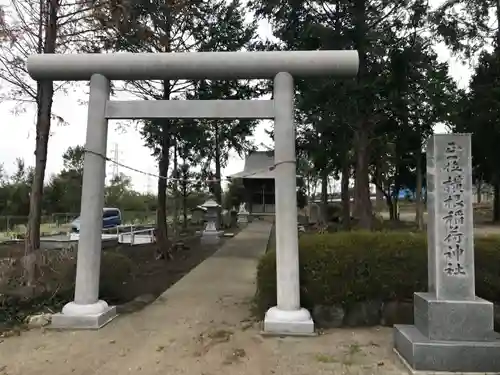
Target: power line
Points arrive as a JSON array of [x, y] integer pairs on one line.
[[208, 180]]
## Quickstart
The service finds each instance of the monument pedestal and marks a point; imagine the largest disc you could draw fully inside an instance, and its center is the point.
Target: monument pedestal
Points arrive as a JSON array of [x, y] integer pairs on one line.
[[242, 215], [422, 354], [242, 218], [451, 336], [210, 238], [210, 235], [453, 329]]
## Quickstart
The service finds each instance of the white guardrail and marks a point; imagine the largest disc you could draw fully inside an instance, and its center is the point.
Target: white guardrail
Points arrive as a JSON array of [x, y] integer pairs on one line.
[[138, 237], [132, 236]]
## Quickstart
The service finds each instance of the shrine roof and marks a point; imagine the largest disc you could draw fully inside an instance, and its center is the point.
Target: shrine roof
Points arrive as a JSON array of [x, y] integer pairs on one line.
[[258, 165]]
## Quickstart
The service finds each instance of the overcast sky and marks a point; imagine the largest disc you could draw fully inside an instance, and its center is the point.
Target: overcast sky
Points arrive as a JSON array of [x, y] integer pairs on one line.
[[18, 133]]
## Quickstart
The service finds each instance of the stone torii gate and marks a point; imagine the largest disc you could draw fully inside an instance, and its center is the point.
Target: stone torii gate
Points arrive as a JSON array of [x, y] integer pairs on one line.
[[87, 311]]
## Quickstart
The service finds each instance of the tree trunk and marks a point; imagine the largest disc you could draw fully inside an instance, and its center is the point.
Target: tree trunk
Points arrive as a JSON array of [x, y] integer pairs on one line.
[[379, 194], [363, 204], [419, 208], [395, 199], [496, 200], [324, 197], [478, 190], [175, 221], [344, 196], [161, 214], [45, 95], [184, 195], [391, 206], [184, 208], [218, 187]]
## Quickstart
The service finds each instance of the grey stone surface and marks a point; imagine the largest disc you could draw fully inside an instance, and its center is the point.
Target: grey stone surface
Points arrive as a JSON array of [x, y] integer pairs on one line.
[[453, 328], [496, 317], [193, 65], [302, 219], [453, 320], [243, 218], [282, 328], [328, 316], [192, 109], [361, 314], [96, 321], [210, 238], [314, 213], [423, 354], [243, 214], [450, 226]]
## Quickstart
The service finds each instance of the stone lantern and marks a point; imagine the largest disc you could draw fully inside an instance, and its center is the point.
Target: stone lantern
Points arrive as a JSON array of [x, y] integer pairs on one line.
[[211, 233], [243, 214]]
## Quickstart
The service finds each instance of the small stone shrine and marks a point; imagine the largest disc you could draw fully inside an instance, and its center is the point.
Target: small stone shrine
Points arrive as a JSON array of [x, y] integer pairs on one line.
[[314, 213], [211, 233], [453, 329], [243, 214]]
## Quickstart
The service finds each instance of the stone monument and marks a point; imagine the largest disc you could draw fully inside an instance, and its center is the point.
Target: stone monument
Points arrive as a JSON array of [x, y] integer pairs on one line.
[[211, 233], [314, 213], [243, 214], [453, 329]]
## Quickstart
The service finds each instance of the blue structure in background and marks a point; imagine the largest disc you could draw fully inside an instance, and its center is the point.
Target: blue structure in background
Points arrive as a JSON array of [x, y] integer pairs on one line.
[[111, 218], [406, 194]]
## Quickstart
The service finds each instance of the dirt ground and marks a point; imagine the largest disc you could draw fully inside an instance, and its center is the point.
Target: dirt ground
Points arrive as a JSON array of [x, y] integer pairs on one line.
[[483, 225], [150, 277], [201, 326]]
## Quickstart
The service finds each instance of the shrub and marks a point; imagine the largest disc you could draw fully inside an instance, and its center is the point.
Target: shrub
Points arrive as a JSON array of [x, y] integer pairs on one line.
[[342, 268], [333, 212], [55, 286], [116, 269]]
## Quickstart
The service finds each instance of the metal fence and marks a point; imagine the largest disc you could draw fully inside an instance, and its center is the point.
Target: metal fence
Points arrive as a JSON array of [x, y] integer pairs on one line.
[[61, 221]]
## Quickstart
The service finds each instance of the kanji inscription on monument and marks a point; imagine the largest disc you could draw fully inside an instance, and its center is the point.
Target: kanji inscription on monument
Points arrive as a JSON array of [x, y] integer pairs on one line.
[[454, 219], [451, 246]]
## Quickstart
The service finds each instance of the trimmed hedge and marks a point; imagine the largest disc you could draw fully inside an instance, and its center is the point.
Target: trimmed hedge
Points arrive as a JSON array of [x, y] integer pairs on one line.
[[346, 267]]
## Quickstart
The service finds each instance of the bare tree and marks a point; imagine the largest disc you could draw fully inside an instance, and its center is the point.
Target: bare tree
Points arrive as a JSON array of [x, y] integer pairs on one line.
[[35, 27]]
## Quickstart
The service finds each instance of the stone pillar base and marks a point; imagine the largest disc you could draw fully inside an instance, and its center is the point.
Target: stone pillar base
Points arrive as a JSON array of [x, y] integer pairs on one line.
[[450, 336], [75, 316], [288, 323], [422, 354], [242, 219], [210, 237]]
